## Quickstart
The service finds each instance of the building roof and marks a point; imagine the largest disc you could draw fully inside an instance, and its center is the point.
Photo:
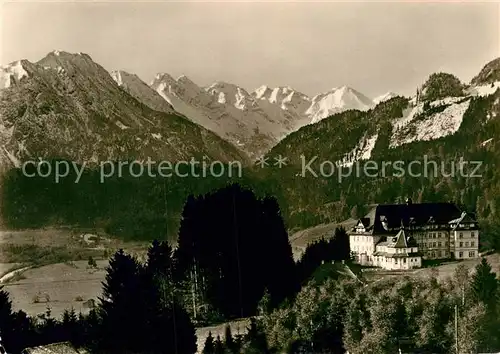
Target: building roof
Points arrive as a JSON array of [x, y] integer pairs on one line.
[[56, 348], [464, 218], [388, 217]]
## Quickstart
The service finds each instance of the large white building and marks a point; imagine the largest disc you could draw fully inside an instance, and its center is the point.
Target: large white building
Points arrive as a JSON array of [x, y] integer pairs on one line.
[[400, 236]]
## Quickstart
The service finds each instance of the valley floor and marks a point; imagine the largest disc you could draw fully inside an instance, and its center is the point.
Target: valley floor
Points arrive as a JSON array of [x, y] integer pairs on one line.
[[48, 268]]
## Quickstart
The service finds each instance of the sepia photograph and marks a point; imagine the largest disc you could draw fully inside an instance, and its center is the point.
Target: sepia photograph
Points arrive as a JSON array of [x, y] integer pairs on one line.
[[249, 177]]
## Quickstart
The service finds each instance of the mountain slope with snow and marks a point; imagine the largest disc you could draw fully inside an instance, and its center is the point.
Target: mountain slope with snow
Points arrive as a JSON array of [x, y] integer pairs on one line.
[[337, 100], [67, 106], [253, 121], [384, 97], [419, 125], [141, 91]]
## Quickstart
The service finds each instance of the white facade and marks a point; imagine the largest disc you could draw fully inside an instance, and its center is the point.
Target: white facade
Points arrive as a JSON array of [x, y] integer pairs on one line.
[[396, 258], [431, 238], [466, 244], [363, 246]]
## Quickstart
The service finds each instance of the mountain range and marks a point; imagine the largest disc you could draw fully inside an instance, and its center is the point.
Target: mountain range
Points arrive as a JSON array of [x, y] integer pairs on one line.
[[56, 106], [253, 122], [68, 106]]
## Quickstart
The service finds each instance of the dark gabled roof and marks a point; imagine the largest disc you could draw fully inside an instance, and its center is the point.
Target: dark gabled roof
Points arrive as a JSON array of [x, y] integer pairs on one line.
[[367, 224], [401, 240], [413, 215]]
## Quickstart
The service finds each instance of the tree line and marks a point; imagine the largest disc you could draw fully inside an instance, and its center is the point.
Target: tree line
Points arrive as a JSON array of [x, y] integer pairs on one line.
[[411, 314]]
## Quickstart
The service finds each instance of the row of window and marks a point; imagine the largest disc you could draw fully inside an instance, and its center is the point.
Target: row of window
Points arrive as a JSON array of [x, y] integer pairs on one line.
[[433, 235], [430, 235], [472, 254], [435, 244], [437, 227], [361, 238], [461, 244], [439, 235], [472, 234], [439, 244], [440, 254], [361, 249], [437, 254], [412, 260], [404, 260]]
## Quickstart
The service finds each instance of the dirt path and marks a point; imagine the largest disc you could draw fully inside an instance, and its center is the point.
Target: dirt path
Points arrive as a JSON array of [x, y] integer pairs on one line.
[[12, 273]]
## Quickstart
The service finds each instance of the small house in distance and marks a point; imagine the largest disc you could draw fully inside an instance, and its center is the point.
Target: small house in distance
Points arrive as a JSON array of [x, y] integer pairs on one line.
[[410, 233]]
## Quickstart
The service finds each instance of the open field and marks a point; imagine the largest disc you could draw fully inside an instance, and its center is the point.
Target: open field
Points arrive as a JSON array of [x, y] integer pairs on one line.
[[301, 239], [48, 267], [59, 245], [7, 267], [59, 286]]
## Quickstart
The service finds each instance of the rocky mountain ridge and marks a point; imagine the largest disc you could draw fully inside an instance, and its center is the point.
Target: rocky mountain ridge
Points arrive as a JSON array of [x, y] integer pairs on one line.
[[67, 106], [254, 121]]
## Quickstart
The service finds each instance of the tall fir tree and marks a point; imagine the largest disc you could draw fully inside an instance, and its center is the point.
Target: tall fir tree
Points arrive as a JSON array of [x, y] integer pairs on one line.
[[209, 347], [218, 346], [485, 285]]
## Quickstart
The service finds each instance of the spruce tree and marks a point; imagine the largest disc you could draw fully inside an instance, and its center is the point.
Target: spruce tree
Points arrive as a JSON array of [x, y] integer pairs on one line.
[[69, 326], [159, 258], [255, 339], [209, 346], [341, 244], [219, 346], [6, 318], [485, 284], [122, 304], [228, 340], [139, 310]]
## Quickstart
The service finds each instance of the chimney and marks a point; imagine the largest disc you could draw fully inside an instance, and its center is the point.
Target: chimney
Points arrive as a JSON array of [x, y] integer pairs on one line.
[[408, 201]]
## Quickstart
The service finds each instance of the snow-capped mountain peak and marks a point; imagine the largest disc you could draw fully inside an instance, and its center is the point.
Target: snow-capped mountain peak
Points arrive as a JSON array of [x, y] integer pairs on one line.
[[337, 100], [12, 72], [385, 97], [231, 94], [278, 94], [185, 80], [261, 92], [142, 91]]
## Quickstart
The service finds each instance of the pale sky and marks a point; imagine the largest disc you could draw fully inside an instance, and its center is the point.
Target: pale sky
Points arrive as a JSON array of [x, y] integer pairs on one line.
[[312, 47]]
